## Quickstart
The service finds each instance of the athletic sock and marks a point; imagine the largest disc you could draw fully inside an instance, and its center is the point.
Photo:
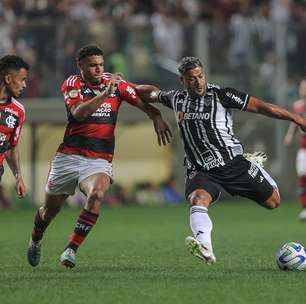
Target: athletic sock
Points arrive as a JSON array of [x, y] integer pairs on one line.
[[39, 228], [84, 224], [201, 224]]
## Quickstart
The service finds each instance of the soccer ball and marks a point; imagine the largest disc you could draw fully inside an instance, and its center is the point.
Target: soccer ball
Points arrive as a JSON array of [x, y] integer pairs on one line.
[[291, 256]]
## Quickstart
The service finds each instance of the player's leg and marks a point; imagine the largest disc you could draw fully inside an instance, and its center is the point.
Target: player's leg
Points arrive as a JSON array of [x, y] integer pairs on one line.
[[301, 172], [43, 217], [252, 181], [94, 188], [62, 180], [200, 193]]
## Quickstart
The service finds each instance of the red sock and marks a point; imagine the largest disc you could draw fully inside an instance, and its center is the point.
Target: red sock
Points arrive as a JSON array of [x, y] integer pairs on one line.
[[84, 224]]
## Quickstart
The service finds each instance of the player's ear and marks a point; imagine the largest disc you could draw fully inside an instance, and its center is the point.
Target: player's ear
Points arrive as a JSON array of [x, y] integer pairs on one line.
[[7, 78], [181, 79]]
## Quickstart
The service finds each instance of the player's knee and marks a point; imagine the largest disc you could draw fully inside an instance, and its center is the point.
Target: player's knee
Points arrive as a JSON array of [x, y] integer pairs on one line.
[[95, 195], [200, 198], [273, 201]]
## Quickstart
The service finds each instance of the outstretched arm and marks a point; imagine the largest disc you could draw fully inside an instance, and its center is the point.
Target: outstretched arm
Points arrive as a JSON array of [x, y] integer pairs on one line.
[[12, 158], [256, 105], [161, 128], [148, 93]]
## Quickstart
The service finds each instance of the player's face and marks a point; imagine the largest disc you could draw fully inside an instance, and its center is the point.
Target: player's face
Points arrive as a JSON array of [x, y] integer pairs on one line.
[[302, 89], [194, 81], [92, 68], [16, 81]]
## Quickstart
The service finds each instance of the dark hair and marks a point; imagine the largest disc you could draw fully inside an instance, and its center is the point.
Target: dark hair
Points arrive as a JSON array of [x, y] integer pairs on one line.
[[188, 63], [88, 50], [12, 62]]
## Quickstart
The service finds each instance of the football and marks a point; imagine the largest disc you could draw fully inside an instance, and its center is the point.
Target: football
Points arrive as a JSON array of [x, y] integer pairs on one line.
[[291, 256]]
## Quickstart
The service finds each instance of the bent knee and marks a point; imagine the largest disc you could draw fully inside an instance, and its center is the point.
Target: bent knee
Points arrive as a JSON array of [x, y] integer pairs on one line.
[[200, 197], [96, 195], [273, 201]]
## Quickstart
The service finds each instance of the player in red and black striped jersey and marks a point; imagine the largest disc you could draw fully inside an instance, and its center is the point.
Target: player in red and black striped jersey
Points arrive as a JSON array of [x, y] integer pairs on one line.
[[84, 158], [299, 107], [13, 74]]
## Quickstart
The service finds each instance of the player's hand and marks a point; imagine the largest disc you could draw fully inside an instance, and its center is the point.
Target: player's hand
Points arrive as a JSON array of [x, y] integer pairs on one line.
[[112, 85], [20, 187], [162, 130]]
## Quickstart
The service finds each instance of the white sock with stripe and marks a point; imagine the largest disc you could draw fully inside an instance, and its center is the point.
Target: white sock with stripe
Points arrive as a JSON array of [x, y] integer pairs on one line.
[[201, 225]]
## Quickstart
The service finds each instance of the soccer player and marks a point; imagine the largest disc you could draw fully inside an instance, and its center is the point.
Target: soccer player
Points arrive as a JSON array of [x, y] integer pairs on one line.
[[13, 74], [84, 158], [213, 155], [299, 107]]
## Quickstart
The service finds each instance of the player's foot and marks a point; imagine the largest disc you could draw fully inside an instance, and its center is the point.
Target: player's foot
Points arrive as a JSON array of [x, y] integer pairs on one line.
[[68, 258], [302, 215], [33, 253], [257, 157], [197, 249]]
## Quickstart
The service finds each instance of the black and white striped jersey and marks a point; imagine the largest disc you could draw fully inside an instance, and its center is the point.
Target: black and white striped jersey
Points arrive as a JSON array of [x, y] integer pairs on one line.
[[206, 124]]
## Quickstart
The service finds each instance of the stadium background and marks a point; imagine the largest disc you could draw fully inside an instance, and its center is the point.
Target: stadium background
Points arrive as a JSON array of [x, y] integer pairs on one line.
[[254, 46]]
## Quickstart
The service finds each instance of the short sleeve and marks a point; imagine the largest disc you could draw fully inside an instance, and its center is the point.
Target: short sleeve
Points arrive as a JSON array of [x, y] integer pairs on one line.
[[71, 91], [128, 93], [232, 98], [166, 97]]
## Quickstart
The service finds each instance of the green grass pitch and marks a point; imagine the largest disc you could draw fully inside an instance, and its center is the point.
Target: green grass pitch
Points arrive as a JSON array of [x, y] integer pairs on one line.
[[137, 255]]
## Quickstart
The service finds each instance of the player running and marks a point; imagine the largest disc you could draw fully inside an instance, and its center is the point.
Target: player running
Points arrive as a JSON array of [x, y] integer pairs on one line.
[[213, 155], [84, 159], [13, 74], [299, 107]]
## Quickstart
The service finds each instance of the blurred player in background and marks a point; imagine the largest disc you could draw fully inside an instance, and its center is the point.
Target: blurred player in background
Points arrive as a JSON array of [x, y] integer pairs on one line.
[[84, 159], [299, 107], [13, 74], [213, 155]]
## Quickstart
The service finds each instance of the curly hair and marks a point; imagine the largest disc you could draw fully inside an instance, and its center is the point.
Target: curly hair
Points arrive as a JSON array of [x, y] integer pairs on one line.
[[188, 63]]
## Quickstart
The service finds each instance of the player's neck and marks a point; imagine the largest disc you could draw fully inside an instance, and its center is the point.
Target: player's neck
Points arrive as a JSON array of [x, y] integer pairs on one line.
[[3, 94]]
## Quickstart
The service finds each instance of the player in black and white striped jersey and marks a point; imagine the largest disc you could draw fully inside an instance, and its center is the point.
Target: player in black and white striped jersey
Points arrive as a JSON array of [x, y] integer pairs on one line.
[[213, 155]]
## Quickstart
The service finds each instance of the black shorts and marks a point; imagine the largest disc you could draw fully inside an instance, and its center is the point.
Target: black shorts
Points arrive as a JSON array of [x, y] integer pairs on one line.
[[239, 177]]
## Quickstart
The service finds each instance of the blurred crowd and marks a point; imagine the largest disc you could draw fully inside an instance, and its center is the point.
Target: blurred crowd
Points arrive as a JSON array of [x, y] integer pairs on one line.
[[131, 32]]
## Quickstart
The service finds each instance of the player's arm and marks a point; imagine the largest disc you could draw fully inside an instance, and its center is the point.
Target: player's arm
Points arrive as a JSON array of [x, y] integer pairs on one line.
[[290, 133], [161, 128], [256, 105], [83, 110], [13, 160], [148, 93]]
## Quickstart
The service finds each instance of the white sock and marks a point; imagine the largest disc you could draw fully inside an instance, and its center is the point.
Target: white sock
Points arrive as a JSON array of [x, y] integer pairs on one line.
[[201, 224]]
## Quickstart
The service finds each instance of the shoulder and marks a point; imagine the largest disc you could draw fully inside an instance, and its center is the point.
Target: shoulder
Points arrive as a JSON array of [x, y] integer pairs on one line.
[[18, 106], [73, 81]]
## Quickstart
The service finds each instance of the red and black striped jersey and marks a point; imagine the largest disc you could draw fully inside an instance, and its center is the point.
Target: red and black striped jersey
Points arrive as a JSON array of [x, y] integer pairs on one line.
[[12, 115], [299, 107], [94, 136]]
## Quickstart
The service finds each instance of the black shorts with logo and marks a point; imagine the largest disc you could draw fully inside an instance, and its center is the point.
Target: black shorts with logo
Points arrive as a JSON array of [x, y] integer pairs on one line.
[[239, 177]]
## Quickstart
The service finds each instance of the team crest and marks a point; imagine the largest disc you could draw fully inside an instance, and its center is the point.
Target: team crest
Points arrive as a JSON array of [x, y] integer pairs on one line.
[[73, 93], [207, 100]]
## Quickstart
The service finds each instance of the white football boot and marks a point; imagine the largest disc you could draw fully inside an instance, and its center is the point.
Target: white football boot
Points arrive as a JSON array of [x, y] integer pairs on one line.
[[205, 253], [68, 258]]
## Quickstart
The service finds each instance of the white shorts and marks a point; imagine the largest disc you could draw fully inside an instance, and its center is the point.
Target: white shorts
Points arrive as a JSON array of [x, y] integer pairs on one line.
[[301, 162], [68, 171]]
